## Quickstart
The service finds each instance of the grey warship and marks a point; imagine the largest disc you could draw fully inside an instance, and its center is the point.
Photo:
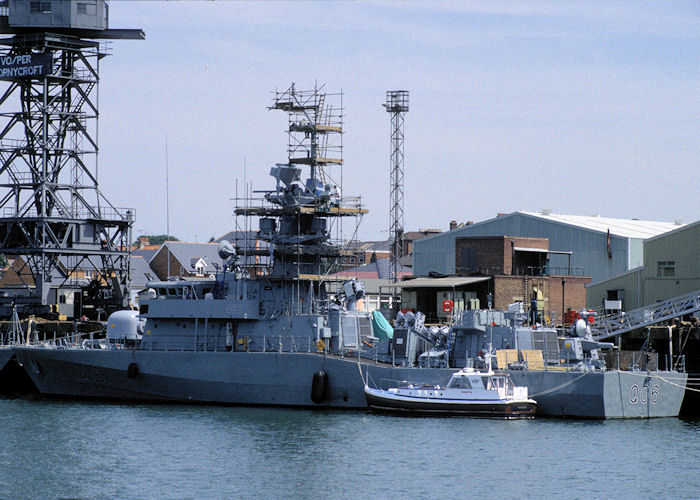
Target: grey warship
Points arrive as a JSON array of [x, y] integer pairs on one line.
[[272, 329]]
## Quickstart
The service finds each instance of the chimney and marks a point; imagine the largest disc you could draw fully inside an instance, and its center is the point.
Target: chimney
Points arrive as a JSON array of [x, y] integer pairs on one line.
[[453, 225], [143, 242]]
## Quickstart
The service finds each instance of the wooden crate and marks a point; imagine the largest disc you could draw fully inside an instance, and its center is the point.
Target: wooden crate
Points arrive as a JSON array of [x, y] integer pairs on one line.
[[505, 356], [534, 359]]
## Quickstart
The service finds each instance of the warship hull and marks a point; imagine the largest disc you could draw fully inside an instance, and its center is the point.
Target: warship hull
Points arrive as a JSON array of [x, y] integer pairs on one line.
[[6, 354], [285, 379], [609, 394]]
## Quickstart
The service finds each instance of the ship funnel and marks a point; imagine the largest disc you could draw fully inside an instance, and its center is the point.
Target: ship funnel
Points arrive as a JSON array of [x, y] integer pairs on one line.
[[226, 250]]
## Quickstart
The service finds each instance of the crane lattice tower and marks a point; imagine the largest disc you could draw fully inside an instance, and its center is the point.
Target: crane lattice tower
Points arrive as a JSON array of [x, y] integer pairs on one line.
[[73, 244]]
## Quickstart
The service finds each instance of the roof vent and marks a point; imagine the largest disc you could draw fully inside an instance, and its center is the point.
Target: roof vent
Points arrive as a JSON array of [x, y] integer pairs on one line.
[[678, 222]]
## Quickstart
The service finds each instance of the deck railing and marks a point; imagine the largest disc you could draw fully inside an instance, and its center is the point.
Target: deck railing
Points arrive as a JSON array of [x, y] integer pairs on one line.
[[211, 343]]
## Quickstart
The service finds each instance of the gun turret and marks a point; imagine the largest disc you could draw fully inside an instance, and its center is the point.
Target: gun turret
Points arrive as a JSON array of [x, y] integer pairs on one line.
[[354, 291], [581, 346]]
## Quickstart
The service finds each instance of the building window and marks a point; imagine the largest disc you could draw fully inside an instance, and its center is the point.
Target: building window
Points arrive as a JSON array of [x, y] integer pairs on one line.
[[665, 269], [89, 8], [40, 7]]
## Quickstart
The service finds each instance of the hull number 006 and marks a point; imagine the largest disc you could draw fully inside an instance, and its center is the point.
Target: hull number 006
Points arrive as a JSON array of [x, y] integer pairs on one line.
[[644, 394]]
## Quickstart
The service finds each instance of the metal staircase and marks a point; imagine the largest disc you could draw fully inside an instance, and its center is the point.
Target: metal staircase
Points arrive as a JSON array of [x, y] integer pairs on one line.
[[623, 322]]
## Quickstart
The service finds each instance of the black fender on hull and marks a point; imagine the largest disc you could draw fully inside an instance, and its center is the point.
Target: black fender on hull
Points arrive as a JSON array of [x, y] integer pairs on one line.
[[319, 387], [132, 370]]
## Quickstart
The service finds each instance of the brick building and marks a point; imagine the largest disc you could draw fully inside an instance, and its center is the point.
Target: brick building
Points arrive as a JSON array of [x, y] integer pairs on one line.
[[507, 269], [519, 272]]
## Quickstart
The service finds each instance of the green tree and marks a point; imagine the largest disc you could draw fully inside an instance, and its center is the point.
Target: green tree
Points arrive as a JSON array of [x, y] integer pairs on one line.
[[157, 239]]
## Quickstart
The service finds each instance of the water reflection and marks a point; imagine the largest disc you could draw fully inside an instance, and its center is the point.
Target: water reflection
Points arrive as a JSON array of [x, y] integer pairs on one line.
[[63, 448]]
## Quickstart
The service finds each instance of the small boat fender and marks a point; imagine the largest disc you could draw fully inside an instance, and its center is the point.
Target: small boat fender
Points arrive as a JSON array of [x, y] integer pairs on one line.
[[319, 387], [132, 370]]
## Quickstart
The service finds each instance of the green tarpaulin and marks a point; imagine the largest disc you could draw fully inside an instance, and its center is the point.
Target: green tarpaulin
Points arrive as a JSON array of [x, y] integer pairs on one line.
[[382, 328]]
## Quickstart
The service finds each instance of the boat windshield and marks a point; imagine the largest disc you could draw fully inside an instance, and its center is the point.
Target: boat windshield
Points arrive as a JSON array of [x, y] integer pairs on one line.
[[459, 383], [496, 383], [503, 384]]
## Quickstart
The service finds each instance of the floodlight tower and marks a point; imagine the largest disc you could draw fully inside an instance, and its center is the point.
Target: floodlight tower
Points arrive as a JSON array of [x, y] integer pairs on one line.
[[397, 105], [73, 243]]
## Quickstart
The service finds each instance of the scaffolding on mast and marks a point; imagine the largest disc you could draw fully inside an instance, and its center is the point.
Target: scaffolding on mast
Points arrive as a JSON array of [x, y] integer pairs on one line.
[[298, 218]]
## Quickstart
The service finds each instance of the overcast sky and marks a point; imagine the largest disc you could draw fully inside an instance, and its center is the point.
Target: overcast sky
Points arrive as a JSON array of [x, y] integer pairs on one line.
[[583, 108]]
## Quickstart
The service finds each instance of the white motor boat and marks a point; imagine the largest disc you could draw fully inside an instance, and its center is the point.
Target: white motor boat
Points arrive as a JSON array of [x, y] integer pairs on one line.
[[468, 393]]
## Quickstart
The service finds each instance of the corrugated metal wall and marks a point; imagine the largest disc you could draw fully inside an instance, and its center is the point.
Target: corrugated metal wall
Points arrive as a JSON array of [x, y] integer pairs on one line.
[[683, 249], [437, 253], [645, 286]]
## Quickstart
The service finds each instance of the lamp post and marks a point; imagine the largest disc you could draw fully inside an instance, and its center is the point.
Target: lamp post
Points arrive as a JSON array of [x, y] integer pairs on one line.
[[563, 294]]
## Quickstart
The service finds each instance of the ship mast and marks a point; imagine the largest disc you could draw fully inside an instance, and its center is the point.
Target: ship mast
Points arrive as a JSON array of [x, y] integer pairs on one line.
[[295, 218]]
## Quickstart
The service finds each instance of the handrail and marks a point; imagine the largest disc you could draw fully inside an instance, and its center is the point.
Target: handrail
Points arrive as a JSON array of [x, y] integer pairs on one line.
[[623, 322]]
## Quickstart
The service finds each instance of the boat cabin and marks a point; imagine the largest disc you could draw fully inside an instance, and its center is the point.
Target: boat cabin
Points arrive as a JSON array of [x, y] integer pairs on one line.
[[477, 381], [497, 382]]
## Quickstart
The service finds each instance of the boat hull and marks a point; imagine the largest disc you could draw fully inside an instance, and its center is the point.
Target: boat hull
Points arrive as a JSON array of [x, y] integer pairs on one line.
[[285, 379], [382, 401]]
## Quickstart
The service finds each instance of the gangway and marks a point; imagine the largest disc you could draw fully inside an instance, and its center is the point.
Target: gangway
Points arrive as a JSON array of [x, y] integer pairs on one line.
[[623, 322]]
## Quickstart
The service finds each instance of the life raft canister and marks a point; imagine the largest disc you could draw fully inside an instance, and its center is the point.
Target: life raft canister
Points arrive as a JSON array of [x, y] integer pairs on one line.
[[319, 387], [132, 370]]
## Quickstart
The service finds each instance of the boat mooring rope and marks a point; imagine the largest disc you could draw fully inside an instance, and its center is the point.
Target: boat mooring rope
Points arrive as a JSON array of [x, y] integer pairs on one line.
[[359, 367], [561, 386], [669, 382]]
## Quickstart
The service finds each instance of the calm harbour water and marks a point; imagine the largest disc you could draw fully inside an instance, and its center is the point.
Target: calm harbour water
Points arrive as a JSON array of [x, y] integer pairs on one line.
[[107, 450]]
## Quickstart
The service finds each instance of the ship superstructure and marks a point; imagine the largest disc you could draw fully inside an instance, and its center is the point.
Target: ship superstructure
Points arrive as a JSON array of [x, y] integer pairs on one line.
[[271, 287]]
